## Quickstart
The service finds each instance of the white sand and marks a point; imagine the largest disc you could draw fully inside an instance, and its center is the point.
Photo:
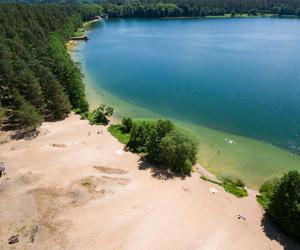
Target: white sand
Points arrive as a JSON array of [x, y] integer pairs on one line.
[[82, 194]]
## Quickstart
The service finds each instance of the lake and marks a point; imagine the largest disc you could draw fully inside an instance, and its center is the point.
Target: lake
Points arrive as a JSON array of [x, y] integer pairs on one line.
[[233, 82]]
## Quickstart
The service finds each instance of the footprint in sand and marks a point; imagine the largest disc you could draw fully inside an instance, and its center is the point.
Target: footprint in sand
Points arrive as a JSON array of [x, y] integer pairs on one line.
[[108, 170], [58, 145]]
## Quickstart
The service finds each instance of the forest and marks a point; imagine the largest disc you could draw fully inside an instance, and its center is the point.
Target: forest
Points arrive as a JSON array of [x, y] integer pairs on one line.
[[196, 8], [38, 79]]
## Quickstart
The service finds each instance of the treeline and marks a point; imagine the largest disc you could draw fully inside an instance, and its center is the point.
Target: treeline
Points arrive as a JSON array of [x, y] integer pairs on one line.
[[194, 8], [38, 79]]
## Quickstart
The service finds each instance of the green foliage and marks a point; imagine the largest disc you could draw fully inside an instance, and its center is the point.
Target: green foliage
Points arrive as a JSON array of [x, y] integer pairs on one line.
[[26, 117], [236, 190], [195, 8], [36, 71], [118, 132], [231, 185], [266, 192], [101, 114], [127, 124], [284, 206], [253, 12], [86, 116], [234, 186], [160, 141], [161, 129], [178, 152], [210, 180], [140, 133], [233, 181], [2, 112]]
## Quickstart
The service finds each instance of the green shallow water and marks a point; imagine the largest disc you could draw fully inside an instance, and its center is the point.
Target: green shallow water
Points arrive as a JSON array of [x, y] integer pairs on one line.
[[226, 78]]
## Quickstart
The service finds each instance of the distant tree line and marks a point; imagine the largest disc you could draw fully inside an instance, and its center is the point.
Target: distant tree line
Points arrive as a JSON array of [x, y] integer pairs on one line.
[[38, 79], [195, 8]]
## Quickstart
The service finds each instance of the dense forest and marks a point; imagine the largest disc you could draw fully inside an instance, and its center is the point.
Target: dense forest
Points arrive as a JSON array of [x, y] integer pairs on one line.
[[188, 8], [193, 8], [38, 79]]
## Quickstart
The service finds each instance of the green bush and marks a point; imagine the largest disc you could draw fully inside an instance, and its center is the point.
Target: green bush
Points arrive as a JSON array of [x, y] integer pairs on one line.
[[231, 185], [87, 116], [118, 132], [233, 181], [127, 124], [236, 190], [140, 133], [161, 143], [161, 129], [101, 114], [178, 152], [266, 192], [284, 206], [26, 117]]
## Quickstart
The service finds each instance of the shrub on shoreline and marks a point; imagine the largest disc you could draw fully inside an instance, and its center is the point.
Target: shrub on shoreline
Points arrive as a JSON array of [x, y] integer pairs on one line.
[[117, 131], [178, 152], [284, 203], [99, 116], [161, 143], [266, 192], [231, 185]]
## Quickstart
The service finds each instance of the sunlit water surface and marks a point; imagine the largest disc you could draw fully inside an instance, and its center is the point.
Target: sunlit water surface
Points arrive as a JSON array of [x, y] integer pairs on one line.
[[220, 78]]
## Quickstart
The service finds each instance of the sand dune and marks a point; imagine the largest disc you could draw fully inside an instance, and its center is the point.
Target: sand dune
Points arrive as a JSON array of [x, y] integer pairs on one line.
[[67, 189]]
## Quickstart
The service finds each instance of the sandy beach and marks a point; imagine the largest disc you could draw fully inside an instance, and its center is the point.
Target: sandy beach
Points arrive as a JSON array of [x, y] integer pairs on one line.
[[73, 187]]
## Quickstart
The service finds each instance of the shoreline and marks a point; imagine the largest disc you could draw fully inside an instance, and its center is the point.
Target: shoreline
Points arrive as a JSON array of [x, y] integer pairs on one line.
[[84, 30], [70, 169], [209, 141], [243, 159]]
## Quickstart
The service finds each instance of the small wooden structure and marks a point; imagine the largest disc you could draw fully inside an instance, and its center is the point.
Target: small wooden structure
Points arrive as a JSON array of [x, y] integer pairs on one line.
[[2, 169], [79, 38]]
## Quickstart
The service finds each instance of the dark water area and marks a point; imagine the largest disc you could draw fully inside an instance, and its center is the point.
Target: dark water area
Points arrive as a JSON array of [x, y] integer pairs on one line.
[[236, 75], [233, 82]]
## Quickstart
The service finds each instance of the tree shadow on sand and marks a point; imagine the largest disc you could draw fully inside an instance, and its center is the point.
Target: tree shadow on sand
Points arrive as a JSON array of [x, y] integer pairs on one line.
[[24, 134], [16, 133], [156, 171], [274, 233]]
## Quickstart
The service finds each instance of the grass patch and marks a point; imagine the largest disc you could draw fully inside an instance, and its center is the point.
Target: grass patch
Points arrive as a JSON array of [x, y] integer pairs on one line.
[[266, 192], [79, 32], [263, 200], [231, 185], [2, 112], [87, 116], [210, 180], [117, 132], [235, 190]]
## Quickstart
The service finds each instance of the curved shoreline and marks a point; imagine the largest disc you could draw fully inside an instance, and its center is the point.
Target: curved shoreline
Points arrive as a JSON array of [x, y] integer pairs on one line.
[[252, 160]]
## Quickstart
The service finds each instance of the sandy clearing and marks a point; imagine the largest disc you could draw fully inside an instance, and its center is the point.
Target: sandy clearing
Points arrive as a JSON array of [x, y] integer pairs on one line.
[[81, 194]]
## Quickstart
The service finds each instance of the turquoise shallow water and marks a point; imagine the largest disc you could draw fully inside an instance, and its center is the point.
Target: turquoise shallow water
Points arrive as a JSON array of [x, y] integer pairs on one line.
[[237, 76]]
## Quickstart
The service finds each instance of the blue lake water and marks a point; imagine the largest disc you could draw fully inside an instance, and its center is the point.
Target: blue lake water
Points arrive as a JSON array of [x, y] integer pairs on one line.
[[240, 75]]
